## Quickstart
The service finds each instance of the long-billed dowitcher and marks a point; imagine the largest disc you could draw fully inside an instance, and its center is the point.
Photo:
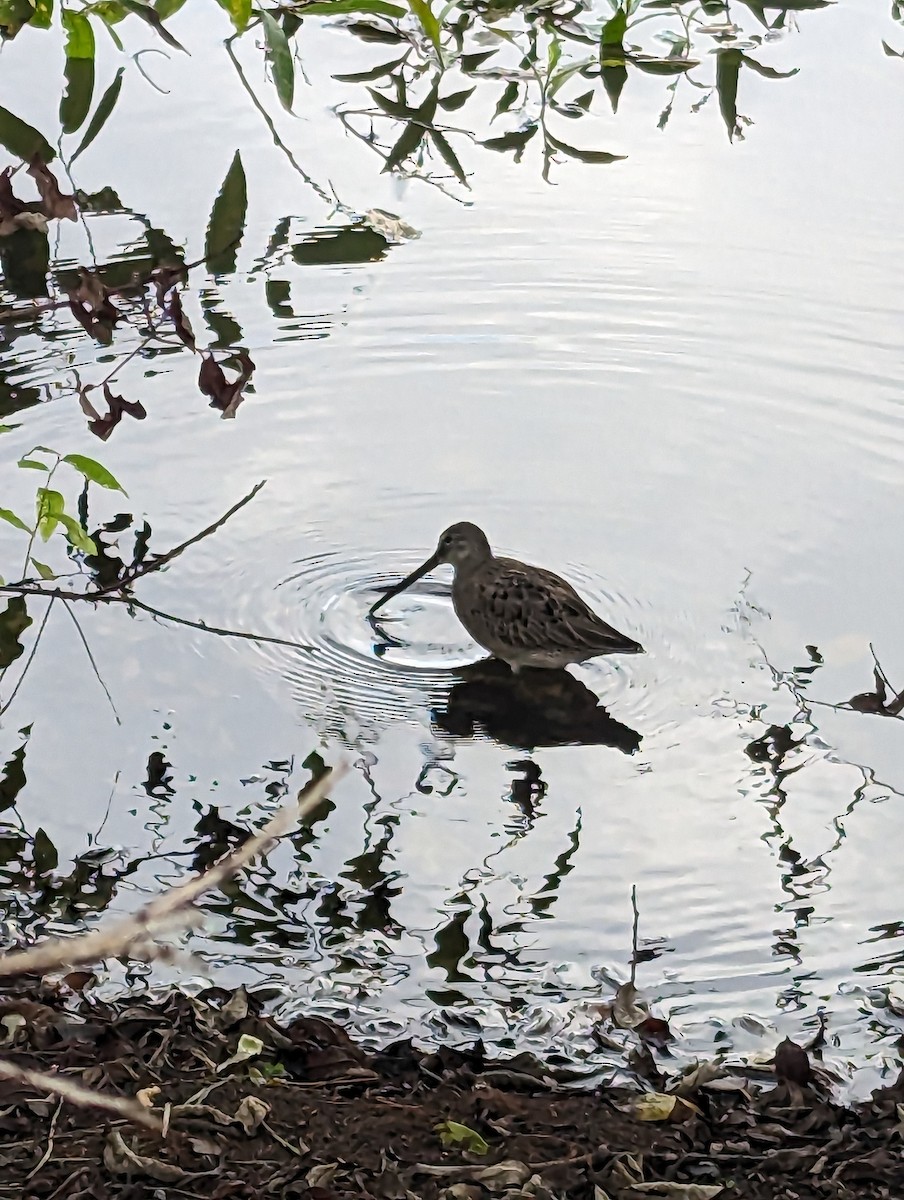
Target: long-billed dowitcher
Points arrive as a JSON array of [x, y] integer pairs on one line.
[[524, 615]]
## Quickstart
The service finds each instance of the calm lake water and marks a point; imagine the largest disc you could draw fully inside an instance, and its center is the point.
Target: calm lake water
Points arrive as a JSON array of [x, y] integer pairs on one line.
[[675, 379]]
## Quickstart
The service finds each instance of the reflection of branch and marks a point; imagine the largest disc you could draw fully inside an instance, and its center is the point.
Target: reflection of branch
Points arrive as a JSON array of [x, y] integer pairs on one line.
[[237, 633], [91, 660], [405, 174], [269, 123], [133, 937]]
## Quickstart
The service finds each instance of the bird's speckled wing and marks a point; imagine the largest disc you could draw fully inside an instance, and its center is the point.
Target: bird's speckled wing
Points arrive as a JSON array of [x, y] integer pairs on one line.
[[531, 609]]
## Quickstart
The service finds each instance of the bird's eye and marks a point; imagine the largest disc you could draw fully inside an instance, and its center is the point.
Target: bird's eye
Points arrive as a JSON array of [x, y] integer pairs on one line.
[[447, 540]]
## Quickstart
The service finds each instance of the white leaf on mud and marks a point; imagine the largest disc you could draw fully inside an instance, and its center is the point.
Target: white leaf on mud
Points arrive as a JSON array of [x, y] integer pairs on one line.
[[629, 1008]]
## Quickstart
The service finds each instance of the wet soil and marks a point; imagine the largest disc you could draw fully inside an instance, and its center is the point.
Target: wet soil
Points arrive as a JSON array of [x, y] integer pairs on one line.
[[304, 1111]]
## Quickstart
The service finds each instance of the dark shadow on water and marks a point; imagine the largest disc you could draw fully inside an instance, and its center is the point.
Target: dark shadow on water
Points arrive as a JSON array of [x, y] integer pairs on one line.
[[533, 708]]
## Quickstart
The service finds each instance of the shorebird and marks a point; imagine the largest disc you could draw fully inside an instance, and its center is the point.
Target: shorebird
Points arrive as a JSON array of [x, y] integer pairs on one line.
[[524, 615]]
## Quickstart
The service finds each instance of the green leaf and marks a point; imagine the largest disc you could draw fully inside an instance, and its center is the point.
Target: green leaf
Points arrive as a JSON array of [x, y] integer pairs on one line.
[[77, 535], [227, 221], [50, 506], [79, 35], [43, 570], [79, 70], [101, 113], [239, 11], [167, 8], [584, 156], [9, 428], [10, 517], [429, 23], [614, 30], [330, 8], [95, 471], [43, 14], [280, 58], [32, 464], [401, 112], [558, 81], [21, 139], [150, 17], [451, 1133]]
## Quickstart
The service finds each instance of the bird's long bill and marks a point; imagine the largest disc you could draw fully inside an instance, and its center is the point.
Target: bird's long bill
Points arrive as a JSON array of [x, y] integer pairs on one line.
[[431, 562]]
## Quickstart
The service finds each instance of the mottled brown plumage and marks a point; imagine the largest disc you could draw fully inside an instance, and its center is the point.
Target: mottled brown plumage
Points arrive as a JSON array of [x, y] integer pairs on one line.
[[524, 615]]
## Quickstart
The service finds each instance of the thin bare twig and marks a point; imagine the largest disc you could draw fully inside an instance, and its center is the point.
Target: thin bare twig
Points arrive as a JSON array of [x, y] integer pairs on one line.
[[58, 1085], [634, 931], [49, 1147]]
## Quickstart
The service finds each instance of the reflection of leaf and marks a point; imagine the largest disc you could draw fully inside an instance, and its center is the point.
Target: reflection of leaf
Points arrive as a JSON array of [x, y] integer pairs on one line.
[[227, 221], [101, 114], [280, 59], [224, 395], [470, 62], [767, 72], [890, 52], [507, 99], [450, 158], [584, 156], [375, 33], [44, 853], [13, 621], [13, 779], [516, 140], [372, 74], [391, 107], [414, 132], [728, 67], [455, 101], [21, 140], [664, 66]]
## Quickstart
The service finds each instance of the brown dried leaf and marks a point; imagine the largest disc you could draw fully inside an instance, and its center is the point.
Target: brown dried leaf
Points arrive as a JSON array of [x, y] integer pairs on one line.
[[792, 1064], [166, 277], [655, 1031], [629, 1009], [120, 1160], [53, 202], [251, 1112]]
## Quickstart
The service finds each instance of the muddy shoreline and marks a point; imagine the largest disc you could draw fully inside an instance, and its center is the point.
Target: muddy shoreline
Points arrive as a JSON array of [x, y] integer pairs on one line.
[[243, 1107]]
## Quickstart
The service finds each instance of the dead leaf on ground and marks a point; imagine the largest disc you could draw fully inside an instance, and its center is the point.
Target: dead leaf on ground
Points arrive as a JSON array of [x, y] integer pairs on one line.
[[792, 1064], [120, 1160], [53, 202], [663, 1106], [629, 1009], [212, 381], [100, 426], [679, 1191], [655, 1031], [251, 1112]]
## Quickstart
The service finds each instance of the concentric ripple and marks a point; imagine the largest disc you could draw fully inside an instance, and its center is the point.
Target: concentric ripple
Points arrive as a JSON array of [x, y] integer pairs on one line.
[[372, 672], [361, 674]]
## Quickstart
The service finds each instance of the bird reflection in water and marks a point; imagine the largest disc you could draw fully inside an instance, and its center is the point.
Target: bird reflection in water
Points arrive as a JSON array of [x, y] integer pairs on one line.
[[530, 709]]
